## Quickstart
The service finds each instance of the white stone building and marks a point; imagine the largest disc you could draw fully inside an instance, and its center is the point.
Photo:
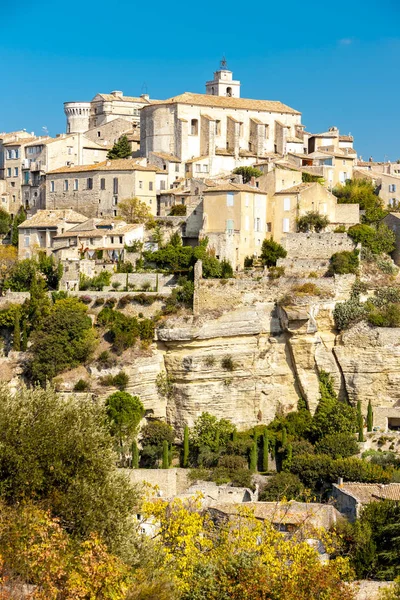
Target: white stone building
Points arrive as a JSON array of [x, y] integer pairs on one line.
[[215, 132]]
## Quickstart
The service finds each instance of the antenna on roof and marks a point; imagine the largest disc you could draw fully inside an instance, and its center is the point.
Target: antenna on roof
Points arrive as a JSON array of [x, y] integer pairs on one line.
[[144, 87], [223, 63], [46, 131]]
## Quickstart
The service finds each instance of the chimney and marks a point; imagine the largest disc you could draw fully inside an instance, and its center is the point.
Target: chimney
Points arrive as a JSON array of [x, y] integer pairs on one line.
[[145, 96], [117, 94], [108, 163], [253, 182], [340, 481]]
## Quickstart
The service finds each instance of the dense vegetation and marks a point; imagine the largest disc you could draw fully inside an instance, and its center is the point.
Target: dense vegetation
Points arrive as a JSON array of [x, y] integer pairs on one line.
[[382, 310], [362, 192]]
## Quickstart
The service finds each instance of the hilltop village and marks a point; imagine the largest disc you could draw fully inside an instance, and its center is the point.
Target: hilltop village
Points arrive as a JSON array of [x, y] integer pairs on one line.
[[221, 287]]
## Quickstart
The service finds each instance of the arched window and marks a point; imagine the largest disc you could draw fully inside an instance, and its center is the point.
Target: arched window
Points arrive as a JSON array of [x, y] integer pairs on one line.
[[229, 91], [212, 91], [194, 127]]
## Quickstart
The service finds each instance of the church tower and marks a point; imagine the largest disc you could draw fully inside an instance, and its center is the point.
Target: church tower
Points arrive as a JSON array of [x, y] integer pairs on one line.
[[223, 84]]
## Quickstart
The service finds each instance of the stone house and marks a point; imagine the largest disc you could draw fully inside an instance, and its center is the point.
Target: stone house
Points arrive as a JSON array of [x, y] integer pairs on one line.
[[221, 129], [43, 155], [170, 165], [330, 140], [349, 498], [334, 166], [235, 221], [37, 233], [288, 517], [101, 239], [95, 190], [387, 184]]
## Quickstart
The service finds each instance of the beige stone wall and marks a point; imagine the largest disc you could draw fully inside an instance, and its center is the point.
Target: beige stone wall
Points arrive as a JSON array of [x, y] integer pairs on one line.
[[96, 202], [316, 245], [347, 214]]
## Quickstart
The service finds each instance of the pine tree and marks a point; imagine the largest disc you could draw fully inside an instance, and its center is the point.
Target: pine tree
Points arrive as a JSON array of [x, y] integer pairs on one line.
[[17, 333], [253, 457], [185, 460], [24, 341], [165, 455], [135, 455], [370, 417], [121, 149], [265, 465], [360, 421]]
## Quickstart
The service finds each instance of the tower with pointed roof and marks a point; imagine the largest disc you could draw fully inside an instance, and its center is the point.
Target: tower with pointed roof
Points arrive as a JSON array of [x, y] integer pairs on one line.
[[223, 84]]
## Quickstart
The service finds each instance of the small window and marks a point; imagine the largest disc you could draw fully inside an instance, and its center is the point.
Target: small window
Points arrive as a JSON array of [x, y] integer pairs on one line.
[[65, 185], [89, 183], [140, 185], [115, 185], [9, 172], [286, 204], [229, 199], [102, 184], [198, 168], [99, 134], [268, 227], [229, 226], [15, 171], [112, 240], [52, 186], [150, 186], [229, 92], [115, 200], [121, 239], [69, 149], [217, 127], [194, 127], [76, 184], [162, 185], [286, 224], [26, 242], [176, 167]]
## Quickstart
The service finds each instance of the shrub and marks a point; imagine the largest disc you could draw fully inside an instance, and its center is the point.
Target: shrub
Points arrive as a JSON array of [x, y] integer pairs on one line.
[[210, 361], [116, 284], [124, 301], [337, 445], [226, 269], [228, 363], [178, 210], [247, 173], [98, 302], [106, 360], [312, 221], [120, 380], [95, 283], [110, 302], [344, 262], [271, 251], [340, 229], [124, 267], [82, 385], [248, 262], [85, 299], [276, 272], [146, 287], [362, 192], [379, 239], [387, 316], [307, 289], [282, 486], [348, 313]]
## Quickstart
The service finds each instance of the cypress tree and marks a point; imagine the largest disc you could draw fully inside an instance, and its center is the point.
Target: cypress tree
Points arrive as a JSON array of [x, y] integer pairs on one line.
[[135, 455], [185, 460], [288, 460], [360, 423], [284, 437], [165, 455], [169, 455], [253, 457], [370, 417], [234, 436], [24, 341], [265, 465], [17, 333]]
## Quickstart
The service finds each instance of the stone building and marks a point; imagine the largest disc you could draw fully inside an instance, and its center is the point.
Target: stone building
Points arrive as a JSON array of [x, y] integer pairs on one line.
[[95, 190], [235, 221], [102, 109], [334, 166], [46, 154], [392, 220], [349, 498], [37, 233], [387, 185], [218, 130]]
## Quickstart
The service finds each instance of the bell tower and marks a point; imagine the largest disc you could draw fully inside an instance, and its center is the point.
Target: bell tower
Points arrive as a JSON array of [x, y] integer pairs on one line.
[[223, 84]]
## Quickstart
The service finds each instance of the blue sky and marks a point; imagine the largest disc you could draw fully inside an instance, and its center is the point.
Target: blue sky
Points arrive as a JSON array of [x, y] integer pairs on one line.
[[337, 63]]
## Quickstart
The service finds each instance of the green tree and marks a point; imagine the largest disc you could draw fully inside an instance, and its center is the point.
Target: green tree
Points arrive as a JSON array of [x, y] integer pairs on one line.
[[253, 459], [152, 436], [124, 413], [265, 465], [185, 460], [337, 445], [135, 455], [344, 262], [67, 340], [134, 210], [360, 422], [121, 149], [282, 486], [362, 192], [20, 276], [271, 251], [5, 221], [24, 340], [378, 239], [165, 455], [370, 416], [19, 218], [60, 453], [50, 269], [312, 221], [210, 432], [247, 173], [284, 437], [17, 332]]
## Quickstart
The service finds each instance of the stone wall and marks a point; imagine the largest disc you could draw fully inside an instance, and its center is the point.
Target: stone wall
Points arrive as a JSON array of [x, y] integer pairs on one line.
[[13, 298], [170, 482], [316, 245]]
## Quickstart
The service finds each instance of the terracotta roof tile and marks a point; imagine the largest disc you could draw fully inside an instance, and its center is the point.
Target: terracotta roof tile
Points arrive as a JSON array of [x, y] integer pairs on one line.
[[119, 164], [229, 102], [233, 187], [168, 157], [51, 218], [297, 189]]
